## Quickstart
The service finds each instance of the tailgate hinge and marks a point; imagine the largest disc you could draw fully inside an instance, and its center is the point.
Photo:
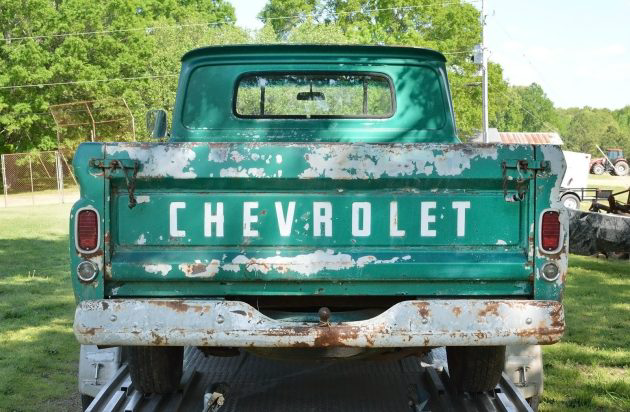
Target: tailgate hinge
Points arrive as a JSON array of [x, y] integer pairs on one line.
[[520, 171], [128, 167]]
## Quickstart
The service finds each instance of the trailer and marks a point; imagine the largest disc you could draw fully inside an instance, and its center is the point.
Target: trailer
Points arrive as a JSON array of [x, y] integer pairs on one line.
[[250, 383]]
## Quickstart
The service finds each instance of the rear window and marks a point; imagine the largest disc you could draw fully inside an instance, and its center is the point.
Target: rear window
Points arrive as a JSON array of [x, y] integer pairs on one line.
[[314, 95]]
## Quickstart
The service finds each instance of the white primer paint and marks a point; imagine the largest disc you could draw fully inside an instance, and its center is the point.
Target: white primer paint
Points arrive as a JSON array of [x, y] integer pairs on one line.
[[242, 172], [501, 242], [143, 199], [159, 160], [173, 230], [307, 264], [285, 222], [160, 268], [141, 240], [426, 219], [324, 218], [248, 219], [393, 220], [364, 162], [461, 217], [209, 219], [365, 210]]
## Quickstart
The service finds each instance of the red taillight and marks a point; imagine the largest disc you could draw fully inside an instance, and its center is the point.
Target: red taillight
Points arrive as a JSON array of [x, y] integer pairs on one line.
[[550, 230], [87, 230]]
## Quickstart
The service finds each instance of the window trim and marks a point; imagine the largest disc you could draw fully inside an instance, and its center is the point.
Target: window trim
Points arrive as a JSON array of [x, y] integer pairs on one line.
[[384, 76]]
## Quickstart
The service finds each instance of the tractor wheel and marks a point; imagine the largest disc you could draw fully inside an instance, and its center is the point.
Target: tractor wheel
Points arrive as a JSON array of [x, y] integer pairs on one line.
[[598, 169], [475, 368], [621, 168], [156, 369]]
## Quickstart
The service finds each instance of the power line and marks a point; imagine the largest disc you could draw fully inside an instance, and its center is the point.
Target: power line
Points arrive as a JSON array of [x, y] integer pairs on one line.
[[66, 83], [149, 29]]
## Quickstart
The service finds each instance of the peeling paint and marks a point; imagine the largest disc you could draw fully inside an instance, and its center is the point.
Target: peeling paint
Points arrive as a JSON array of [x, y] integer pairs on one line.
[[161, 268], [141, 240], [159, 160], [143, 199], [242, 172], [365, 162], [200, 270]]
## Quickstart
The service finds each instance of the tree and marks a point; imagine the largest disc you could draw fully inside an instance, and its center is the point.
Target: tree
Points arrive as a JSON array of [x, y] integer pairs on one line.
[[125, 49], [452, 28], [537, 109]]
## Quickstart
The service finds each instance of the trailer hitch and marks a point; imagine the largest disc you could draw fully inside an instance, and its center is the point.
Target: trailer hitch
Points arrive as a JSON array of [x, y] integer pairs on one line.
[[127, 166]]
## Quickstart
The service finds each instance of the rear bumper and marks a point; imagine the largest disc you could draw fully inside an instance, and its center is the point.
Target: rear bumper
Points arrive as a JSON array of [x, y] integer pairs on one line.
[[181, 322]]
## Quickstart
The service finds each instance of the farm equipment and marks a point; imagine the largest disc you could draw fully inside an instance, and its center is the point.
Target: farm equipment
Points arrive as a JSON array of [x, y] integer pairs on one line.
[[613, 162]]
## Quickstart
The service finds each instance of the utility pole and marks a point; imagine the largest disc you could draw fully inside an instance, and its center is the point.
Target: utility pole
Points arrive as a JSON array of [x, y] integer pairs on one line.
[[484, 73]]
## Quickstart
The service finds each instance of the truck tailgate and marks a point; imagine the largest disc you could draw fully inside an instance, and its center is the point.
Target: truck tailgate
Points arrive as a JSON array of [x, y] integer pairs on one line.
[[329, 219]]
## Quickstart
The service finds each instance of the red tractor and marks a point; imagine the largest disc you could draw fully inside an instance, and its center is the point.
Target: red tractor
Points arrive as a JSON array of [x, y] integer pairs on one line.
[[613, 162]]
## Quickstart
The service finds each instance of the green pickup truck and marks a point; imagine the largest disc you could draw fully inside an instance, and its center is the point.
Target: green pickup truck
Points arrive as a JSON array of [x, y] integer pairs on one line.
[[315, 201]]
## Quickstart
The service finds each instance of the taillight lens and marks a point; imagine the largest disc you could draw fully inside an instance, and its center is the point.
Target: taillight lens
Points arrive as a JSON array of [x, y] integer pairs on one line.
[[550, 230], [87, 230]]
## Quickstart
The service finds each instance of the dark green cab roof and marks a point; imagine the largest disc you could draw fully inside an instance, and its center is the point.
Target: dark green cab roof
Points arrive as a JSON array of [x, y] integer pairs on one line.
[[309, 51]]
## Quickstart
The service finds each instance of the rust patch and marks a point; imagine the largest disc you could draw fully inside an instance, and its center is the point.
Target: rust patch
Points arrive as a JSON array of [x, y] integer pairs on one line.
[[96, 253], [492, 308], [176, 305], [457, 311], [423, 309], [157, 339]]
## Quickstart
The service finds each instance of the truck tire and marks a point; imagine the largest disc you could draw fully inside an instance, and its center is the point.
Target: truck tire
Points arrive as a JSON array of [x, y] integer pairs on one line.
[[475, 368], [598, 169], [621, 168], [156, 369], [570, 201]]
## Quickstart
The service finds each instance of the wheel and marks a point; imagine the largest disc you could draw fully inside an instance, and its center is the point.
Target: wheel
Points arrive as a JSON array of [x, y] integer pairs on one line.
[[621, 168], [571, 201], [475, 368], [598, 169], [156, 369], [86, 400]]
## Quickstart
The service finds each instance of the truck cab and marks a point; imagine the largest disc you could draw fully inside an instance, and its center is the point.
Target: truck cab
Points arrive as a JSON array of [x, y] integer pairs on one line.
[[315, 201]]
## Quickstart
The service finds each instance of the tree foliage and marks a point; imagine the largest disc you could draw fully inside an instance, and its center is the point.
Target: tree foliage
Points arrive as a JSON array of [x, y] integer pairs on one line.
[[137, 39]]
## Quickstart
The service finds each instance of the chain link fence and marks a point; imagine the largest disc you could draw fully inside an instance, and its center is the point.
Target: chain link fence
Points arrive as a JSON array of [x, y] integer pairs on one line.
[[37, 178]]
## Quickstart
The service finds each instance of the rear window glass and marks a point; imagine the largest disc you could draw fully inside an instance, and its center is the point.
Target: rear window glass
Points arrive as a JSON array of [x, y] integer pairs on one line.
[[314, 95]]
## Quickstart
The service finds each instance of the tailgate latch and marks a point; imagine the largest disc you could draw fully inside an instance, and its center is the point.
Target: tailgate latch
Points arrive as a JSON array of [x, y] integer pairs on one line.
[[520, 172], [129, 168]]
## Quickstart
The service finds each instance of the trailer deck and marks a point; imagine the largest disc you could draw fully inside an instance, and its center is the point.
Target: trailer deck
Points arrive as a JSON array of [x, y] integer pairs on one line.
[[249, 383]]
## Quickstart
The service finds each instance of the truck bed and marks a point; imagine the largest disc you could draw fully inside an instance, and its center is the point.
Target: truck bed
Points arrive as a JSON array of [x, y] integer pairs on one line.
[[250, 383]]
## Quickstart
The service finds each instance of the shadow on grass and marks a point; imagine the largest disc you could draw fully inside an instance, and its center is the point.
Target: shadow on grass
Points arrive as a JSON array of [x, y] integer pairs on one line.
[[38, 359], [597, 303]]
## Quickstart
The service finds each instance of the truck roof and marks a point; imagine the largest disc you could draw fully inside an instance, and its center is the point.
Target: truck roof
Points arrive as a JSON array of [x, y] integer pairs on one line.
[[310, 51]]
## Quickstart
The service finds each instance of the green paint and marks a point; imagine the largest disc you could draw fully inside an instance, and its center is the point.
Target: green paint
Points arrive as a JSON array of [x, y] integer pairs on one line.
[[391, 206]]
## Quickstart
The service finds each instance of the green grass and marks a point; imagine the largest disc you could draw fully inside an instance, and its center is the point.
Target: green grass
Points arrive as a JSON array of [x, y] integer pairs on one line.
[[38, 352], [590, 369], [607, 181], [587, 371]]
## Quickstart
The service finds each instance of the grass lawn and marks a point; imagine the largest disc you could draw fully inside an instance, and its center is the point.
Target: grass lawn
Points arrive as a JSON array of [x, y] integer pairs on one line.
[[589, 370]]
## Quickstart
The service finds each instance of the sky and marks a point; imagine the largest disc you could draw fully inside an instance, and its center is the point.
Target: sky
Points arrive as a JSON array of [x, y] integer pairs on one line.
[[577, 50]]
